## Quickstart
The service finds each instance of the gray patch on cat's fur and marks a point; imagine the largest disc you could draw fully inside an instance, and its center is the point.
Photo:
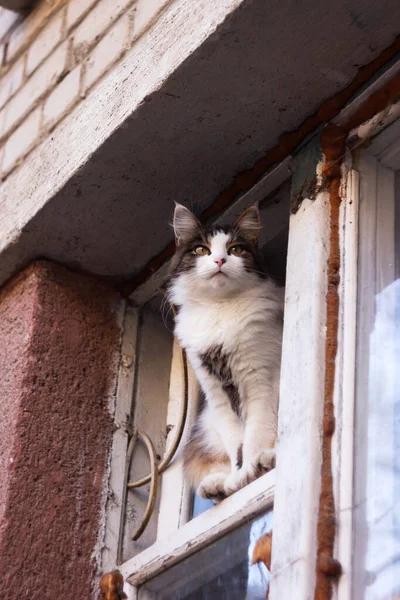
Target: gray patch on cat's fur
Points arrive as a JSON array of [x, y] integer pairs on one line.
[[239, 457], [216, 363]]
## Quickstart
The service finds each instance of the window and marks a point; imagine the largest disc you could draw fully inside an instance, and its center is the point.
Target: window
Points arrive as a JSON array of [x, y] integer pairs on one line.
[[202, 542], [190, 552], [368, 452], [151, 373], [221, 569], [183, 531]]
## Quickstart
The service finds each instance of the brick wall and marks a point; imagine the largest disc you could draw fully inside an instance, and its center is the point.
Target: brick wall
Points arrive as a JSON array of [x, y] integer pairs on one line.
[[53, 57]]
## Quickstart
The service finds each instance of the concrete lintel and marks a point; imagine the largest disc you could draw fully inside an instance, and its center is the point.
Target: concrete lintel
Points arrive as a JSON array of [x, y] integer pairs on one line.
[[156, 55], [203, 95]]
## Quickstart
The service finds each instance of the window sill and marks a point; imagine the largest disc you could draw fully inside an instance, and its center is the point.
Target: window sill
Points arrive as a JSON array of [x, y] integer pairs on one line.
[[247, 503]]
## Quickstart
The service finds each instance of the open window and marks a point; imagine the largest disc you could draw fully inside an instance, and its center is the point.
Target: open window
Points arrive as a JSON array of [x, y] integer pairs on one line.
[[190, 550], [190, 535]]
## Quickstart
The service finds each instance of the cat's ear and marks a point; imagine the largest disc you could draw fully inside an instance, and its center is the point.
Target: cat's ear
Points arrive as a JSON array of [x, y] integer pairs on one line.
[[186, 225], [249, 223]]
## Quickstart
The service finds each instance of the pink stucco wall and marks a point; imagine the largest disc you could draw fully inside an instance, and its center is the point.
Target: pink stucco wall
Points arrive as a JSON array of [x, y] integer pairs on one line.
[[16, 324], [59, 340]]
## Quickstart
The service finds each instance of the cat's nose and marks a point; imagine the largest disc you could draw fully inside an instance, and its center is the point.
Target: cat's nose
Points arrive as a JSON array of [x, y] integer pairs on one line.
[[220, 262]]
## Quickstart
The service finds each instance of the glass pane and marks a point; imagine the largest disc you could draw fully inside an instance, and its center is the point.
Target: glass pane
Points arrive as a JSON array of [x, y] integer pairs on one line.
[[222, 571], [200, 505], [377, 434]]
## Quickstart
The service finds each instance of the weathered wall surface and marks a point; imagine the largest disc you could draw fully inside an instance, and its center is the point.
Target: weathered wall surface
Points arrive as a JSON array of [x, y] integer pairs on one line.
[[16, 317], [59, 347], [51, 59]]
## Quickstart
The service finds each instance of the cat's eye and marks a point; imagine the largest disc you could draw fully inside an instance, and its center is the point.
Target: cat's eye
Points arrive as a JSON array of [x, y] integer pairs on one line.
[[236, 250], [202, 250]]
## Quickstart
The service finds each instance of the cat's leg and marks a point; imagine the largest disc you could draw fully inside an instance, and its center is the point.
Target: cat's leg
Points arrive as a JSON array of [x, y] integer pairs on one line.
[[222, 434], [206, 464], [260, 431], [220, 419]]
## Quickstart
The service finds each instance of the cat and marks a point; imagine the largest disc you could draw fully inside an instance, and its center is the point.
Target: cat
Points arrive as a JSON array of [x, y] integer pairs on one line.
[[229, 319]]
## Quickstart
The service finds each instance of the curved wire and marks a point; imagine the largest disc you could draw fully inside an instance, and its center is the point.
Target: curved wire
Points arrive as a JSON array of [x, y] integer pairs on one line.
[[153, 486], [156, 469], [128, 461], [152, 493], [169, 455]]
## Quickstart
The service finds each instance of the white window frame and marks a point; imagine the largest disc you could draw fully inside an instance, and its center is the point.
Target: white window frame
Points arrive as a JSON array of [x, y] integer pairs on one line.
[[370, 178], [344, 394], [299, 450]]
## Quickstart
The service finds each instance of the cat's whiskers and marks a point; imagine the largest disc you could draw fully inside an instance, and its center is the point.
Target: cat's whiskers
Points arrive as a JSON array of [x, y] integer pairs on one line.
[[166, 310], [231, 330]]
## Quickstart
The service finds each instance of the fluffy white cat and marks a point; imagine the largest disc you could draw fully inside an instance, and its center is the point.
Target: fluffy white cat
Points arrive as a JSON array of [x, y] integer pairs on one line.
[[229, 320]]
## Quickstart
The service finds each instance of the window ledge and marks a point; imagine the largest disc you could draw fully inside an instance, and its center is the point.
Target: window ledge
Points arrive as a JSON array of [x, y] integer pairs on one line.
[[244, 505]]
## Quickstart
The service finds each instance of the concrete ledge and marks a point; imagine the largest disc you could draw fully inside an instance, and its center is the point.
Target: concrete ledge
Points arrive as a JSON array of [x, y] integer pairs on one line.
[[152, 60], [203, 94]]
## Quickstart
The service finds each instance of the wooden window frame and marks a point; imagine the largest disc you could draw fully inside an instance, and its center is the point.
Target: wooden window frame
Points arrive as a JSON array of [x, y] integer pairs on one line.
[[299, 418], [296, 493], [175, 532]]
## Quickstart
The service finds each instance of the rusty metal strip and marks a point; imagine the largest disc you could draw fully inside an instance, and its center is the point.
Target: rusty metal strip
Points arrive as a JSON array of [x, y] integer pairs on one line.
[[333, 144]]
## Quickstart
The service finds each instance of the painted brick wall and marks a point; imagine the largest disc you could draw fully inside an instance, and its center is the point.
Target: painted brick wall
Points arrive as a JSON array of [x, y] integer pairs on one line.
[[53, 57]]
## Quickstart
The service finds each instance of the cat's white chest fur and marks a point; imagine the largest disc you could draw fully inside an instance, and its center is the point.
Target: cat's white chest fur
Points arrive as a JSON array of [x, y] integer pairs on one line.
[[199, 326], [239, 324]]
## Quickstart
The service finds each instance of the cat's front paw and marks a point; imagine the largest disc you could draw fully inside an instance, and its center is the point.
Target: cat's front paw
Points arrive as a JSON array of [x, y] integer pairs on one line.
[[213, 487], [262, 463]]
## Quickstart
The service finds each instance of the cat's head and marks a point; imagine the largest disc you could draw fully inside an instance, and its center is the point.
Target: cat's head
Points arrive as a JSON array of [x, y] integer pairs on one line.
[[214, 262]]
